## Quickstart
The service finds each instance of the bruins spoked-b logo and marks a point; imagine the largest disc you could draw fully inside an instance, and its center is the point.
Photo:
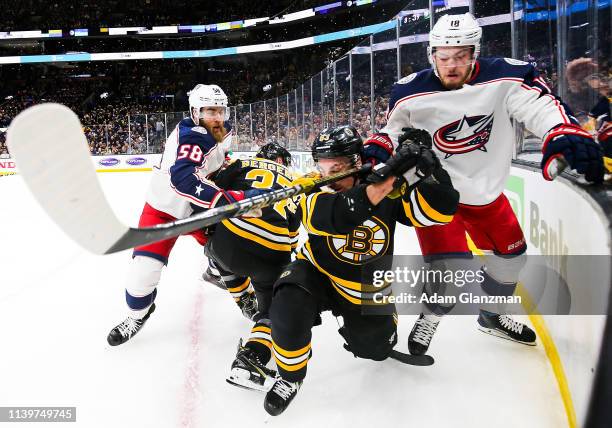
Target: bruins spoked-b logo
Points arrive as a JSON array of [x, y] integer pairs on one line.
[[465, 135], [366, 242]]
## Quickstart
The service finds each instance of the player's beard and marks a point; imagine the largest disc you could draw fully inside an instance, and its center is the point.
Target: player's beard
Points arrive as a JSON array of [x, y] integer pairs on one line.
[[457, 84], [218, 132]]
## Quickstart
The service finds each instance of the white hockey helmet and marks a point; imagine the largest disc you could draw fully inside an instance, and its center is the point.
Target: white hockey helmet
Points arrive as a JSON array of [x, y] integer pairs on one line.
[[206, 96], [454, 30]]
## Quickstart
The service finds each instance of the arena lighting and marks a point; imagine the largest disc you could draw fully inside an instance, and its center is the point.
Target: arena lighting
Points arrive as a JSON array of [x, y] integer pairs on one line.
[[124, 56], [326, 8], [293, 16], [371, 29], [175, 29]]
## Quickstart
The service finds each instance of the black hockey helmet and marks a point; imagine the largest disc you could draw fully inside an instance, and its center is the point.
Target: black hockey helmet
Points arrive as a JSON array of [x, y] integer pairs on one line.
[[339, 141], [273, 151]]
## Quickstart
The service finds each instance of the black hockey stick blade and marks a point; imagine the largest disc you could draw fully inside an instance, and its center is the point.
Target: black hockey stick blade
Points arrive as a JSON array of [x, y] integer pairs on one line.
[[413, 360]]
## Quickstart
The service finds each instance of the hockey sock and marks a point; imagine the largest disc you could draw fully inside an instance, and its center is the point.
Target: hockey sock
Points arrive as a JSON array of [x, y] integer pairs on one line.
[[493, 287], [142, 280], [292, 314], [238, 286], [260, 340]]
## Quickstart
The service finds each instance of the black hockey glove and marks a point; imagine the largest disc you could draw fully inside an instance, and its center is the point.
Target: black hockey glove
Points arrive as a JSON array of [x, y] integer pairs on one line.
[[403, 163], [577, 147], [419, 136]]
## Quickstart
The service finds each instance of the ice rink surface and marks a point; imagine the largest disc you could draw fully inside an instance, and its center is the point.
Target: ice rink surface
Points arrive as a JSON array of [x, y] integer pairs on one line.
[[58, 303]]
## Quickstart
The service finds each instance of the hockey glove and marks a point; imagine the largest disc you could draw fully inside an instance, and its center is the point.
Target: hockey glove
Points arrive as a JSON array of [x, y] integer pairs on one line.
[[605, 141], [307, 180], [226, 197], [412, 135], [577, 147], [403, 163], [377, 149]]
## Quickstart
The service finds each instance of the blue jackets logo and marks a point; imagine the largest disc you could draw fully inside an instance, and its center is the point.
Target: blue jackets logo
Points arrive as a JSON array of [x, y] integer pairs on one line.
[[108, 161], [136, 161], [465, 135]]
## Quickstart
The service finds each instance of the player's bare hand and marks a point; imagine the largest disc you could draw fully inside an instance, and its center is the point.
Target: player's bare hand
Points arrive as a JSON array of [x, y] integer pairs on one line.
[[378, 191]]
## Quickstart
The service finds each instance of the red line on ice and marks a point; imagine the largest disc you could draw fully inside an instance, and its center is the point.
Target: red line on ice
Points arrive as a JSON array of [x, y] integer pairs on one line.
[[191, 392]]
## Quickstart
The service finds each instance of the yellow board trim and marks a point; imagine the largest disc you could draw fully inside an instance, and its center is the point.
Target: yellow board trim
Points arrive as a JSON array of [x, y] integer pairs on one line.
[[549, 346], [262, 329], [553, 356], [102, 170]]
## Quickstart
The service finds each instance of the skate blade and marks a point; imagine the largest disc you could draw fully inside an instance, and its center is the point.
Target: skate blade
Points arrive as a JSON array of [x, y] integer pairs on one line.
[[237, 380], [248, 385], [494, 332], [213, 281]]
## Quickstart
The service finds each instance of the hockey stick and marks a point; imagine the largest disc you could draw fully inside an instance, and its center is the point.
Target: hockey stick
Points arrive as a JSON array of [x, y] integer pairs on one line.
[[556, 167], [413, 360], [52, 154]]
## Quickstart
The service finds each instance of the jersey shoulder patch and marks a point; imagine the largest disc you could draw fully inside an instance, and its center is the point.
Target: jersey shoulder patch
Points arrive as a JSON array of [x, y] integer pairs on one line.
[[199, 129], [421, 82], [407, 79], [513, 61], [194, 135]]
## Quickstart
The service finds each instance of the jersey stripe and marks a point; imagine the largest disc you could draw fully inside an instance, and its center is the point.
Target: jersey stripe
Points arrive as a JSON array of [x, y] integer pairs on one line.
[[408, 212], [256, 238], [430, 212]]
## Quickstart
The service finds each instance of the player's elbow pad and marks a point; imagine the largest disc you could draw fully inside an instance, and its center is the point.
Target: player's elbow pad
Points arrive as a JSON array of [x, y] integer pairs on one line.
[[439, 192], [350, 209]]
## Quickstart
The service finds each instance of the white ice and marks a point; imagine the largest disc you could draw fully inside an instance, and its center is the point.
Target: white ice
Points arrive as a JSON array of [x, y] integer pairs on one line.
[[57, 304]]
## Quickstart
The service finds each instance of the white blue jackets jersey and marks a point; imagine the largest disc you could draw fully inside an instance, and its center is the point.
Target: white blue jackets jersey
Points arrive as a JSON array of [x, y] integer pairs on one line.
[[471, 127], [181, 184]]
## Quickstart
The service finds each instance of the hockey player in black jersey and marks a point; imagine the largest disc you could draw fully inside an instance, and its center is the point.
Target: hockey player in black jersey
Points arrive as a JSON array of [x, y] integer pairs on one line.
[[349, 228], [255, 251]]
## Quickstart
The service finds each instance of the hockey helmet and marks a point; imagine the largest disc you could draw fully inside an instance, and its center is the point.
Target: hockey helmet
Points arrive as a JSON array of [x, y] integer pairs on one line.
[[454, 30], [339, 141], [273, 151], [207, 96]]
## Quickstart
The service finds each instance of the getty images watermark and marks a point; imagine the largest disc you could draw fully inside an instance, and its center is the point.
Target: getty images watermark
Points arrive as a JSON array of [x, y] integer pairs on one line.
[[412, 278], [547, 285]]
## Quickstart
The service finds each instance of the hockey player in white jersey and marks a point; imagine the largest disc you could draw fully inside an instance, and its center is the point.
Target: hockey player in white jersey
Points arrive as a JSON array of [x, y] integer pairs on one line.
[[467, 104], [180, 186]]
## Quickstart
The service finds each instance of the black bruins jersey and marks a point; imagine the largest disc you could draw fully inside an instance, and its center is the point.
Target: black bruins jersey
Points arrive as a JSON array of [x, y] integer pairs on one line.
[[347, 236], [273, 234]]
